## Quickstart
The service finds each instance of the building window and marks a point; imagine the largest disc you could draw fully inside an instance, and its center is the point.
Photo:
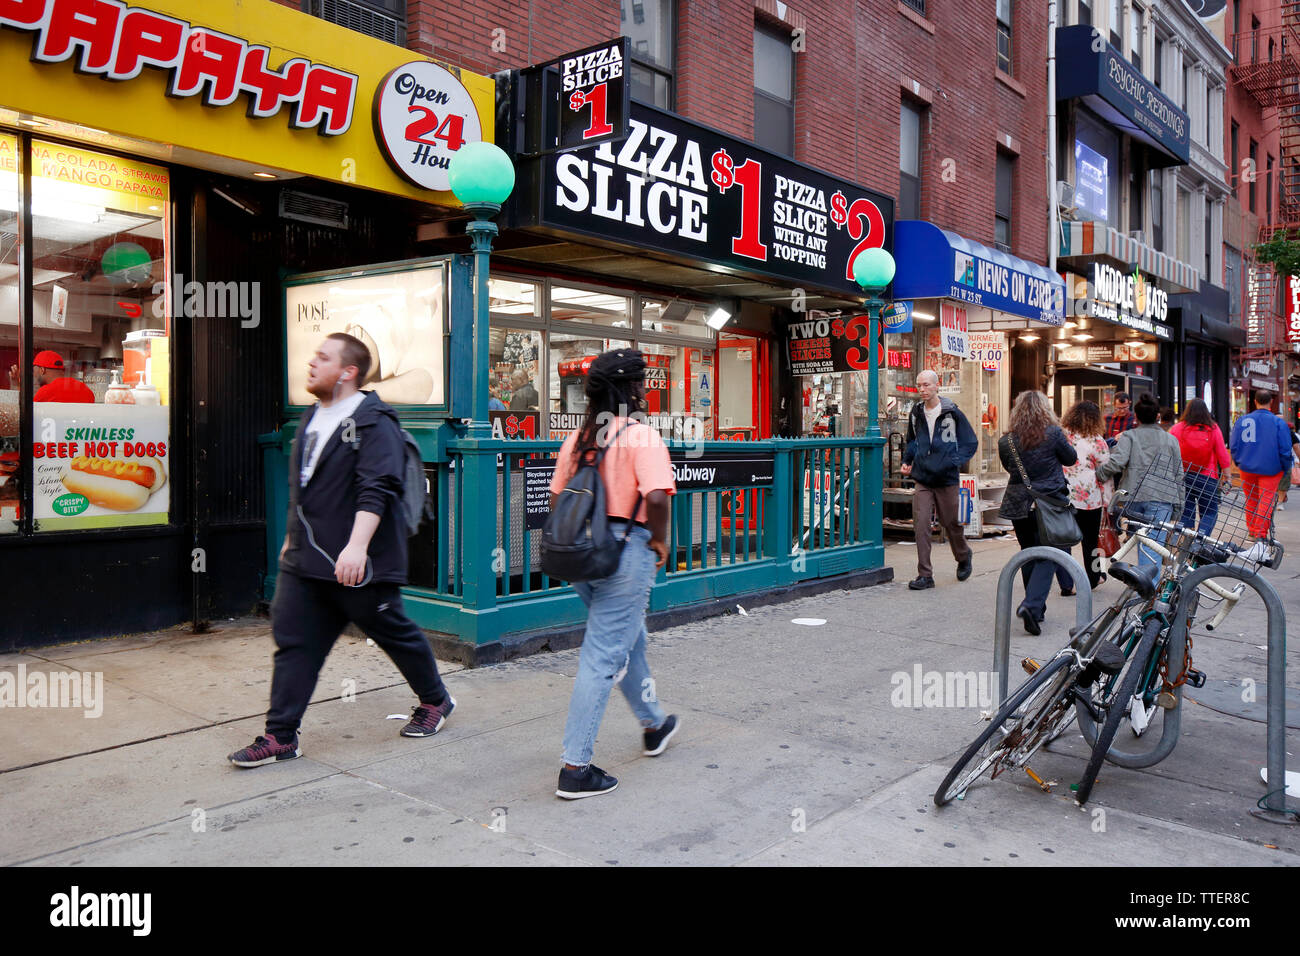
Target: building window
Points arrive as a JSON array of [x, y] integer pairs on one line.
[[909, 162], [383, 19], [1157, 211], [1254, 173], [1136, 174], [1235, 173], [773, 90], [1004, 36], [1184, 226], [1002, 204], [1254, 39], [1085, 12], [1236, 27], [1187, 89], [1117, 24], [1268, 190], [917, 5], [1135, 38], [651, 26], [97, 344], [1232, 282], [1209, 228], [1157, 68]]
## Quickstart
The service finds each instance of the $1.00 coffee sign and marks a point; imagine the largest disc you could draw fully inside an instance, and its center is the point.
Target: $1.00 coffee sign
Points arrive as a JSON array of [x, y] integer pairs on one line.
[[677, 187]]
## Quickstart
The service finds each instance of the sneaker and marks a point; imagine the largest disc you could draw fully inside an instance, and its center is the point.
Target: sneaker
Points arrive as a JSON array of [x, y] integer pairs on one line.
[[265, 750], [1257, 553], [590, 781], [427, 721], [963, 568], [920, 583], [656, 741]]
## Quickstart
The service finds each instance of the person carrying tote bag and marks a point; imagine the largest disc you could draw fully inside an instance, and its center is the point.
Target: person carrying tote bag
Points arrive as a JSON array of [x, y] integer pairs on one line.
[[1033, 451]]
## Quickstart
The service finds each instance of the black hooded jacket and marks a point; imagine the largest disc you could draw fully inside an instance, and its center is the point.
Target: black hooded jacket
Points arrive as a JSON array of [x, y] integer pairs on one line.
[[365, 474]]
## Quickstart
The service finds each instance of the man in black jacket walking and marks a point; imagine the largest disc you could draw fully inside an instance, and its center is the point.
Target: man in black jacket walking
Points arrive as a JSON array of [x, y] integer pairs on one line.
[[344, 555], [939, 441]]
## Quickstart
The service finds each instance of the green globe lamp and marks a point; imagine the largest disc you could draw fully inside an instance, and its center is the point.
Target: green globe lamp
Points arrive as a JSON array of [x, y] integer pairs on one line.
[[873, 270], [482, 178]]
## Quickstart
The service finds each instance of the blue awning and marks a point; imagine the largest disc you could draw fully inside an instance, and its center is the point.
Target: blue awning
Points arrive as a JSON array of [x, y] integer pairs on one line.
[[935, 263]]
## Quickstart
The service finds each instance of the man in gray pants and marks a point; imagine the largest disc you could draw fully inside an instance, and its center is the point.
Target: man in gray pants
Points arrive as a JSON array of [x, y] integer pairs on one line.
[[939, 441]]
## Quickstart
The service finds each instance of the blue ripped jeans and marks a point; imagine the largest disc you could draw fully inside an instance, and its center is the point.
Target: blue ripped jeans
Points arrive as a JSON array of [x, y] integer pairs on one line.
[[613, 648]]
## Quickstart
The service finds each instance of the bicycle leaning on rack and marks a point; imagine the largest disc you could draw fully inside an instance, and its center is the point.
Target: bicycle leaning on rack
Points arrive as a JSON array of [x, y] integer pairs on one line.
[[1115, 671]]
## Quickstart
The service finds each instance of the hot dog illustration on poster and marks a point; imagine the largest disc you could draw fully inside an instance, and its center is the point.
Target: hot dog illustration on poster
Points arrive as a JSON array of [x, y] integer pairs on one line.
[[100, 466]]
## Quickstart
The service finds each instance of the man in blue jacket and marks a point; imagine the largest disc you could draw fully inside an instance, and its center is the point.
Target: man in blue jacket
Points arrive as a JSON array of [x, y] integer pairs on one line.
[[939, 441], [344, 554], [1261, 448]]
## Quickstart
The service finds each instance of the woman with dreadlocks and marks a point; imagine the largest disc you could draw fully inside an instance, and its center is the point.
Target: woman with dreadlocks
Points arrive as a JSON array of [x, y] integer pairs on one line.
[[638, 479]]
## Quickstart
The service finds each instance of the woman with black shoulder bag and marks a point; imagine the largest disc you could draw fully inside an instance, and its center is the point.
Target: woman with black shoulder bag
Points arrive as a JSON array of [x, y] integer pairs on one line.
[[1033, 451]]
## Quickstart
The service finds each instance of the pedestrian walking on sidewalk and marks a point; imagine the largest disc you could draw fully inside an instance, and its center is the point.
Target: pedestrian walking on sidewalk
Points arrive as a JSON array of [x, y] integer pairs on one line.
[[1083, 430], [1138, 452], [344, 554], [1205, 456], [939, 442], [1033, 437], [1121, 419], [638, 479], [1261, 447]]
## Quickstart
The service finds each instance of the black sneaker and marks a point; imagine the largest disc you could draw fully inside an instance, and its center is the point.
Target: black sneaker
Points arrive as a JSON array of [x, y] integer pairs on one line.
[[265, 750], [963, 568], [920, 583], [590, 781], [427, 721], [656, 741]]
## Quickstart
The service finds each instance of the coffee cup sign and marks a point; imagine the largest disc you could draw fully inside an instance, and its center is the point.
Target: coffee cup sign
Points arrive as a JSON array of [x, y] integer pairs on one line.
[[423, 115]]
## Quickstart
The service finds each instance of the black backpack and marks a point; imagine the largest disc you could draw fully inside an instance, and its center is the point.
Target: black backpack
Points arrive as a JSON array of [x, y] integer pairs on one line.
[[577, 544]]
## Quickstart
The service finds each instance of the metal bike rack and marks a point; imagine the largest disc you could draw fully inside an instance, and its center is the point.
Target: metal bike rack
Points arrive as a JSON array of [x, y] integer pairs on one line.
[[1274, 810], [1002, 614]]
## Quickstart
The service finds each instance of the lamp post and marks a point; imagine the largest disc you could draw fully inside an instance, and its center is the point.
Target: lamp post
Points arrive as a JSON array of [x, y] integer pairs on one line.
[[482, 178], [873, 270]]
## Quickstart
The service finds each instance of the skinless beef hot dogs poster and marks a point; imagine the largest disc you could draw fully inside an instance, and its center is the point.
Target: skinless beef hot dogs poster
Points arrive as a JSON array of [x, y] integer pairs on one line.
[[100, 465], [678, 187]]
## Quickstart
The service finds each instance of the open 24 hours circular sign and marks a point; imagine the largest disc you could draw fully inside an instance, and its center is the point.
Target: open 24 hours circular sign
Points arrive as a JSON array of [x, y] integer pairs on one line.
[[422, 116]]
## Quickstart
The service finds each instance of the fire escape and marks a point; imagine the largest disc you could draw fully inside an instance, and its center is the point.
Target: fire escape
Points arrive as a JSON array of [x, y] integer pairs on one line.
[[1268, 68]]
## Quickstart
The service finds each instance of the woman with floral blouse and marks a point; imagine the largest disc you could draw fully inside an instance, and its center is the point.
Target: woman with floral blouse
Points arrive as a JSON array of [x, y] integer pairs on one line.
[[1084, 430]]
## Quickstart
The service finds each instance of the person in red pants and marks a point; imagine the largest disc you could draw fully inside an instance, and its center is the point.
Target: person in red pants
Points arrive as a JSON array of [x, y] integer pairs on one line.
[[1261, 447]]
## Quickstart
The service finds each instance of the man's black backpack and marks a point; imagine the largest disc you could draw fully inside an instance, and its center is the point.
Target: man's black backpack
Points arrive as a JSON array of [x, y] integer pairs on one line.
[[577, 544]]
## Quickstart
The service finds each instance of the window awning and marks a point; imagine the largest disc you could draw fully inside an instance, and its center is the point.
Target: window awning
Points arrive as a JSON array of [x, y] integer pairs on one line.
[[1096, 239], [936, 263]]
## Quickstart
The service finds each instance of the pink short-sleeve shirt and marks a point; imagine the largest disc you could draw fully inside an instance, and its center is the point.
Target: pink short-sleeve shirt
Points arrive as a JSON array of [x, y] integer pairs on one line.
[[636, 463]]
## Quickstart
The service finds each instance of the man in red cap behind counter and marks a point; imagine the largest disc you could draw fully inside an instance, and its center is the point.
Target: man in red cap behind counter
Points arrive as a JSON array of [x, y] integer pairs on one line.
[[51, 384]]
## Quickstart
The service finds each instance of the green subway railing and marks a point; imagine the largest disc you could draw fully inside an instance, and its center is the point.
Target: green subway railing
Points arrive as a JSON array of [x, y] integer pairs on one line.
[[476, 573]]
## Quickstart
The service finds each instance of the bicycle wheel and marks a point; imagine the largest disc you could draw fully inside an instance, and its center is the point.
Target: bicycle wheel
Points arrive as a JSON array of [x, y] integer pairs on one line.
[[1134, 671], [1025, 728], [1127, 636]]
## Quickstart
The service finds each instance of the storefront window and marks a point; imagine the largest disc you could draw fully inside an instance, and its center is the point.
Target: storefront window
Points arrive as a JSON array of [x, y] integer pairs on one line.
[[681, 388], [511, 299], [674, 318], [517, 361], [569, 357], [596, 307], [101, 327]]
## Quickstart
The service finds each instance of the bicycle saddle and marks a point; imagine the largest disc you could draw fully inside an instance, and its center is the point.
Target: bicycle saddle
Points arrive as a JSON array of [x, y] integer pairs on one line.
[[1140, 579]]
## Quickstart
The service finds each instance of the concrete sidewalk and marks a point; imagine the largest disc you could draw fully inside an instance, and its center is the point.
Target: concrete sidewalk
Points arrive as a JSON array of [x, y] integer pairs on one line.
[[792, 751]]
